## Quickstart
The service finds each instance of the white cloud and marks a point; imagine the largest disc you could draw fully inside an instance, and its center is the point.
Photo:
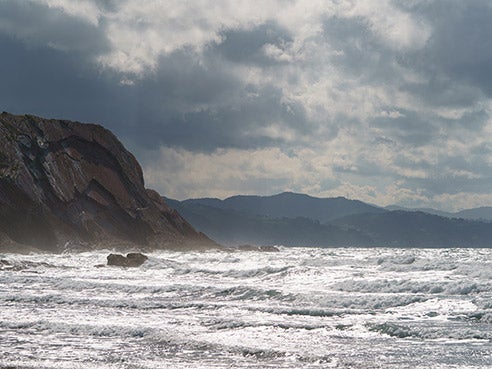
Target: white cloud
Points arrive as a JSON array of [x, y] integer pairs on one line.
[[460, 201], [180, 173], [397, 29], [356, 98], [140, 32], [86, 10], [391, 114]]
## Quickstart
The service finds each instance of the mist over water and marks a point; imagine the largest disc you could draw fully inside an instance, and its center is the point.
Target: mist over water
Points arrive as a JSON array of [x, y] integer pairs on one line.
[[299, 308]]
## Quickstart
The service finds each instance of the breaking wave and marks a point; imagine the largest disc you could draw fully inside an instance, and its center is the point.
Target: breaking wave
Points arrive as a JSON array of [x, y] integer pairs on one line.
[[313, 308]]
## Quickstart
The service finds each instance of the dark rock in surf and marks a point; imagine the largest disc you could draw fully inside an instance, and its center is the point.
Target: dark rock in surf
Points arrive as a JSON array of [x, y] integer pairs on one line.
[[269, 248], [133, 259], [117, 260], [246, 248], [64, 182], [136, 258], [4, 264], [258, 248]]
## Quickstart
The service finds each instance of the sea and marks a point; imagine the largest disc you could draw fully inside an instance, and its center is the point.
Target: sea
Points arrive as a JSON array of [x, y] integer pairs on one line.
[[297, 308]]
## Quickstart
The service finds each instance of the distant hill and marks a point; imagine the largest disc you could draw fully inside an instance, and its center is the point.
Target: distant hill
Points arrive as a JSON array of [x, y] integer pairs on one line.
[[246, 224], [481, 213], [418, 229], [232, 227], [423, 210], [291, 205]]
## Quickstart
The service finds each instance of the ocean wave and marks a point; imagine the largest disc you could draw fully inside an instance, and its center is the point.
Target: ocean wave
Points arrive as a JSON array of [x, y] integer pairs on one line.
[[311, 312], [50, 327], [481, 271], [233, 273], [21, 265], [482, 316], [252, 294], [370, 301], [429, 333], [221, 324], [313, 308], [411, 286], [399, 260], [199, 298]]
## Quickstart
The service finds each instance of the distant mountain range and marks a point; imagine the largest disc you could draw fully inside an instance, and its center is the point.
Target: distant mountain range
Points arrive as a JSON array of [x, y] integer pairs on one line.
[[300, 220], [291, 205], [482, 213]]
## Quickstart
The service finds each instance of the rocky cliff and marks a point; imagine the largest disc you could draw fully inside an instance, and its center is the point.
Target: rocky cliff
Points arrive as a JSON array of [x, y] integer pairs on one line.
[[67, 184]]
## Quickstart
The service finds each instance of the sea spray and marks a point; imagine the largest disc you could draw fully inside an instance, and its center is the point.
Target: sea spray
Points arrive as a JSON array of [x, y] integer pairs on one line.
[[313, 308]]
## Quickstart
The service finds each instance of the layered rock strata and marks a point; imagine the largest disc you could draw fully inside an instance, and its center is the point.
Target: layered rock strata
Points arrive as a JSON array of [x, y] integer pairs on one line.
[[68, 184]]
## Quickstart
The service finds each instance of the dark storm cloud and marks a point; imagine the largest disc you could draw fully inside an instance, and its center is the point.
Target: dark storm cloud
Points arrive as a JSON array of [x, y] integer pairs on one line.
[[47, 66], [391, 95], [246, 46], [461, 45], [456, 66], [50, 70], [37, 25], [455, 63], [362, 55], [55, 83], [198, 106], [202, 107], [108, 5], [408, 129]]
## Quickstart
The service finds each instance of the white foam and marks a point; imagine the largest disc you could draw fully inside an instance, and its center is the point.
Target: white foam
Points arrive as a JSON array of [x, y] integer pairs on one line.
[[297, 308]]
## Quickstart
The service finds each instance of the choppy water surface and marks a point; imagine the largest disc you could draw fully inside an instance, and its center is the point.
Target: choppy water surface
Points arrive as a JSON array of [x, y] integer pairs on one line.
[[300, 308]]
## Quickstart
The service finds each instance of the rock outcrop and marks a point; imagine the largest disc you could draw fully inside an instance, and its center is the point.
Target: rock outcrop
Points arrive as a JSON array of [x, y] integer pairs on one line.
[[64, 182], [132, 259], [264, 248]]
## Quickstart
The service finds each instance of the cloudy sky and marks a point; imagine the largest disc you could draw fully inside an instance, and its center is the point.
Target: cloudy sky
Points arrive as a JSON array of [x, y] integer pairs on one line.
[[389, 102]]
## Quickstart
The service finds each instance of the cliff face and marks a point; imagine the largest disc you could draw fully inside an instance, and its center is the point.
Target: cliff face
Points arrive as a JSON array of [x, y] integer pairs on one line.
[[66, 183]]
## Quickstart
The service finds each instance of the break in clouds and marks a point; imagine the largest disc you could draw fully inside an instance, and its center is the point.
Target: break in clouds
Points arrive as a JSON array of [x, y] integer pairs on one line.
[[387, 101]]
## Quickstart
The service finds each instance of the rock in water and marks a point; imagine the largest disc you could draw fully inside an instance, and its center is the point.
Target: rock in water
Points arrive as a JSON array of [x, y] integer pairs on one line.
[[63, 181], [117, 260], [266, 248], [133, 259], [136, 258], [269, 248]]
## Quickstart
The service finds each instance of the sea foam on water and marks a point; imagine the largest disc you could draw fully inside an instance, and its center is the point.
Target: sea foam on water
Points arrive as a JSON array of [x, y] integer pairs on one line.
[[300, 307]]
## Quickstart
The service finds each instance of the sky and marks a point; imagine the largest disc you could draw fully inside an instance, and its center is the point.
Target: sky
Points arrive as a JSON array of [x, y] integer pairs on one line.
[[388, 102]]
